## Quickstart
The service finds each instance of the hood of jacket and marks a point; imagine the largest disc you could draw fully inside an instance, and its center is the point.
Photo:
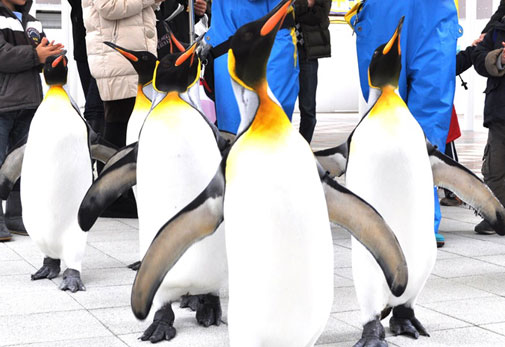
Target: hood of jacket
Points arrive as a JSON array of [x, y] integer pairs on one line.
[[23, 9]]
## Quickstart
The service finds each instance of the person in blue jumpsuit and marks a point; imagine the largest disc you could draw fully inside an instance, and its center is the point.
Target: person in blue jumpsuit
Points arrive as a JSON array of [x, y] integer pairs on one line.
[[282, 68], [428, 44]]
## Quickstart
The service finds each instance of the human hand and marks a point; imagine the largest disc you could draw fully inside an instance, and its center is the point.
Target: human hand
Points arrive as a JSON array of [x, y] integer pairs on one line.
[[46, 49], [503, 54], [200, 7], [478, 40], [311, 3]]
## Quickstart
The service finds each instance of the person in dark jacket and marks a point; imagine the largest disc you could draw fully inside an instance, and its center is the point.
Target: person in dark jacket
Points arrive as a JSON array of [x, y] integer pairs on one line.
[[23, 48], [93, 109], [312, 24], [489, 60]]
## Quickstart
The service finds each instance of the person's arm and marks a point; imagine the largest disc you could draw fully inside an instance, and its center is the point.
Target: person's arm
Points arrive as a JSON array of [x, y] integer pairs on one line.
[[120, 9], [484, 57], [496, 17]]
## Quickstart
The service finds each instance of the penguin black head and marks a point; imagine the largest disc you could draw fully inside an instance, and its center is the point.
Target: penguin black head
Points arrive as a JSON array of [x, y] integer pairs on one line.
[[143, 62], [386, 65], [251, 44], [55, 69], [178, 71]]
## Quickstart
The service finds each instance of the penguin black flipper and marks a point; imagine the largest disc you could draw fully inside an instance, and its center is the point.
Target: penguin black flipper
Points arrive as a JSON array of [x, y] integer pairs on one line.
[[334, 160], [109, 186], [120, 154], [370, 229], [100, 149], [450, 174], [10, 171], [196, 221]]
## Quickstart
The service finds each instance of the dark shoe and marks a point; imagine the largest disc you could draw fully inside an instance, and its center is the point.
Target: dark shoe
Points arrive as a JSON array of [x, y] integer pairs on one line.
[[449, 201], [484, 228], [13, 213], [5, 235], [440, 240]]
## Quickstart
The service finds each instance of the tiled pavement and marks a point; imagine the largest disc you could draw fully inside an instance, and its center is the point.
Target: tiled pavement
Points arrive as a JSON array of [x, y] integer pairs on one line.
[[463, 303]]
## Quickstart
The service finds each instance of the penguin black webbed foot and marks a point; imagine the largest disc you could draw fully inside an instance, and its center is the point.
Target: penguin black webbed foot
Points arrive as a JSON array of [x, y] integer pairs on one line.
[[72, 281], [209, 313], [162, 326], [50, 269], [192, 302], [134, 266], [404, 322], [373, 335]]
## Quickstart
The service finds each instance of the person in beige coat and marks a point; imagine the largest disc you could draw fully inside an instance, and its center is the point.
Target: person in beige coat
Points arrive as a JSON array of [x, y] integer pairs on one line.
[[130, 24]]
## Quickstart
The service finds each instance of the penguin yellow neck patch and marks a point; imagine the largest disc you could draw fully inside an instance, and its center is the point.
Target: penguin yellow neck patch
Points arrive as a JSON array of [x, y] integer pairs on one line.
[[170, 110], [58, 92], [142, 103], [270, 123], [388, 108]]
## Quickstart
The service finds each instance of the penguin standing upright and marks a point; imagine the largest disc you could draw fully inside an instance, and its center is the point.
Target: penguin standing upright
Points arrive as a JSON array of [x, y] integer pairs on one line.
[[390, 167], [56, 173], [278, 238], [176, 155]]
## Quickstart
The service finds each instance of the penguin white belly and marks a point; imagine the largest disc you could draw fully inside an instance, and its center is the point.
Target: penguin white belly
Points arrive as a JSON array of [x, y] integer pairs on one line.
[[135, 124], [177, 158], [279, 246], [389, 168], [56, 174]]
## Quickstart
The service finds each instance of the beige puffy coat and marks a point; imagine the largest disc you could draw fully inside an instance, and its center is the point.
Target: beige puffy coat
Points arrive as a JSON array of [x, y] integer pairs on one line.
[[128, 23]]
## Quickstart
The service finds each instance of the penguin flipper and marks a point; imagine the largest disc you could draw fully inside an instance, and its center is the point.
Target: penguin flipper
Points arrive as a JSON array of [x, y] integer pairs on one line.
[[10, 171], [120, 154], [450, 174], [197, 220], [101, 149], [369, 228], [334, 160], [109, 186]]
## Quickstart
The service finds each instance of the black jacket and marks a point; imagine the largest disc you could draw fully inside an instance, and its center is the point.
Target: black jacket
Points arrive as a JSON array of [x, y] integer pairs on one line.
[[312, 24], [496, 17], [78, 31], [20, 86], [484, 59]]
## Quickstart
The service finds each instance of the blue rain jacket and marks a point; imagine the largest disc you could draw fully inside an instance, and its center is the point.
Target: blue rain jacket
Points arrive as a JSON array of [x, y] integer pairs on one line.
[[428, 46], [282, 68]]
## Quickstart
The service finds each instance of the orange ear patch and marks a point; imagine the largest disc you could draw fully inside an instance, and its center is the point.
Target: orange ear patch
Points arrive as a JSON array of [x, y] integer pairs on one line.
[[272, 22], [179, 46], [184, 56], [57, 61]]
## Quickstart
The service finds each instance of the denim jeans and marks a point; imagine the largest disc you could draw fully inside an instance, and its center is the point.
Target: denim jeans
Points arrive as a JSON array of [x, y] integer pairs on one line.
[[14, 125], [307, 97]]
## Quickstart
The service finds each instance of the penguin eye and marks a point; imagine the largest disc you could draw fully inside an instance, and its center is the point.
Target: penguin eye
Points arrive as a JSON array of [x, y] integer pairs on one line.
[[247, 36]]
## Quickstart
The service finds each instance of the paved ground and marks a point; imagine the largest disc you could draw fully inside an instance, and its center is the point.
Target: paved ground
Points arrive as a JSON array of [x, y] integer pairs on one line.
[[463, 303]]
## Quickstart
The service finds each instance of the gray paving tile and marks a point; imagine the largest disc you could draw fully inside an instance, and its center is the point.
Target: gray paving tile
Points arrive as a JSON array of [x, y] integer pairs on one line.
[[494, 259], [459, 267], [344, 300], [44, 300], [15, 267], [111, 224], [119, 232], [340, 282], [7, 254], [491, 283], [104, 297], [474, 247], [106, 341], [441, 289], [11, 284], [476, 310], [46, 327], [125, 251], [498, 328], [338, 331], [469, 337], [121, 321], [96, 259]]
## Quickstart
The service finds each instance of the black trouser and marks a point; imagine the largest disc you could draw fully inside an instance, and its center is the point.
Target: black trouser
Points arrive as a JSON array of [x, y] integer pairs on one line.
[[94, 108], [307, 97], [493, 161], [117, 114]]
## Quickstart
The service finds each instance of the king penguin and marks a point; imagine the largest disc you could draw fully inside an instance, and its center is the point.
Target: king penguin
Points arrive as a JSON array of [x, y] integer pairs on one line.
[[390, 167], [176, 155], [56, 173], [278, 238]]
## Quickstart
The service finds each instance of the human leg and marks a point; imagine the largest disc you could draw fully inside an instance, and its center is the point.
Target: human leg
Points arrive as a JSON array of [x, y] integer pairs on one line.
[[307, 97]]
